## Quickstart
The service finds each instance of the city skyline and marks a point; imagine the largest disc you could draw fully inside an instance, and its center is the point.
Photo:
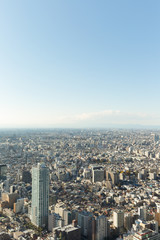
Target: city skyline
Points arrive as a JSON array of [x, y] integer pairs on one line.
[[79, 64], [85, 184]]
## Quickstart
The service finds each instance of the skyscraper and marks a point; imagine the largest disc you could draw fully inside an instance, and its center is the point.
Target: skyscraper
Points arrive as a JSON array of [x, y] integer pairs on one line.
[[40, 195]]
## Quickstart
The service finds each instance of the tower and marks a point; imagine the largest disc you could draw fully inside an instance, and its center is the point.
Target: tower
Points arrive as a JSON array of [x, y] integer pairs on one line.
[[40, 195]]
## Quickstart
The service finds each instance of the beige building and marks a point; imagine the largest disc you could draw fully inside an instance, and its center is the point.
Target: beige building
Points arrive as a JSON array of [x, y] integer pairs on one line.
[[112, 176], [11, 198], [118, 219]]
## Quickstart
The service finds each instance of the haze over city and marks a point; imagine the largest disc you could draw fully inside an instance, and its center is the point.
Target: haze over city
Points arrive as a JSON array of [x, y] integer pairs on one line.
[[79, 63]]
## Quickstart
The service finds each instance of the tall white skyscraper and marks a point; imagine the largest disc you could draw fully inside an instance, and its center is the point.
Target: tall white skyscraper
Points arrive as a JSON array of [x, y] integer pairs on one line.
[[40, 195]]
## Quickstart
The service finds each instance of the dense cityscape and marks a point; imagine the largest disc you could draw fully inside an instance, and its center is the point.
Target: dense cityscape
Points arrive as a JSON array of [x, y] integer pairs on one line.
[[79, 184], [79, 120]]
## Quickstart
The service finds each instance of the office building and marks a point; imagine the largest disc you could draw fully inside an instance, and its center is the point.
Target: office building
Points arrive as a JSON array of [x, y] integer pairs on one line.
[[97, 175], [69, 232]]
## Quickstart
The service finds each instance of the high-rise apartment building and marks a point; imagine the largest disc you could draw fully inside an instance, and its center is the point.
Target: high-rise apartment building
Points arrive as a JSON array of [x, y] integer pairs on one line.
[[99, 228], [85, 222], [118, 219], [142, 212], [40, 195], [128, 221], [3, 171]]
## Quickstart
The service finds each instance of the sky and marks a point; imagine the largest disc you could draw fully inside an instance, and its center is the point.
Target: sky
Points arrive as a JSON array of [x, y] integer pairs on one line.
[[79, 63]]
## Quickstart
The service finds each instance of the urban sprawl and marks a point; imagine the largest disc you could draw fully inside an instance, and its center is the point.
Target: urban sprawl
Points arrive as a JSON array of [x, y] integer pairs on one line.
[[69, 184]]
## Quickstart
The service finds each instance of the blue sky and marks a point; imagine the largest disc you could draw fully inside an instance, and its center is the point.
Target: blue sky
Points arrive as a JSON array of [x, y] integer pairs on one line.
[[79, 63]]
